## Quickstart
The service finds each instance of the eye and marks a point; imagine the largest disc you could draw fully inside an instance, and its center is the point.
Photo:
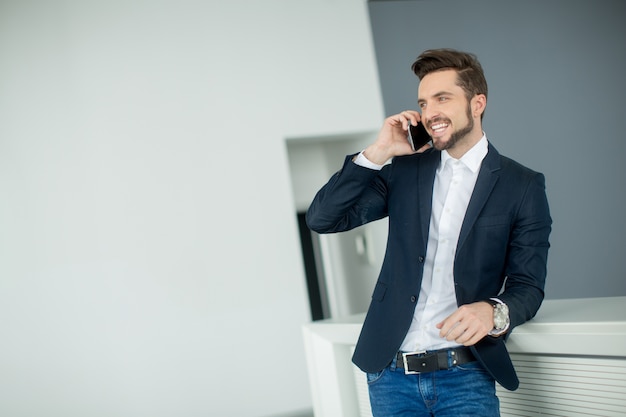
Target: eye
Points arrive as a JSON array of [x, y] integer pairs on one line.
[[442, 98], [422, 105]]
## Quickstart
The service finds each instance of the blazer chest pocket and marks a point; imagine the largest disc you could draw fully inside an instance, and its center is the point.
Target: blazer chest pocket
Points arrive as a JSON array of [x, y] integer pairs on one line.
[[491, 234], [492, 221]]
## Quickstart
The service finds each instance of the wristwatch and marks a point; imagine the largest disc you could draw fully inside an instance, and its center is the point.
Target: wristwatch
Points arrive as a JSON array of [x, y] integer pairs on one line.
[[501, 320]]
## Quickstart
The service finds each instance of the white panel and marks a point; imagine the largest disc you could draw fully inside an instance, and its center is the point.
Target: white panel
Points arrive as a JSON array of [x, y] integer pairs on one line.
[[365, 409], [362, 391], [566, 386], [571, 361]]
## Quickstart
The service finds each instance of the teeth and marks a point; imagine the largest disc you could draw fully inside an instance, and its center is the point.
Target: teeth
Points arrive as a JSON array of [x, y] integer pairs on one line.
[[439, 126]]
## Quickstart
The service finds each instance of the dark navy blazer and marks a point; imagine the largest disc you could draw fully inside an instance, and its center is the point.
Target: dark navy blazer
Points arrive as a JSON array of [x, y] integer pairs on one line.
[[503, 242]]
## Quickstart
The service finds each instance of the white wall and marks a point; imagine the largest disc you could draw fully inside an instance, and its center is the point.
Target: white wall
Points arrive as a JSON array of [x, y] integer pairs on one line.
[[349, 269], [149, 259]]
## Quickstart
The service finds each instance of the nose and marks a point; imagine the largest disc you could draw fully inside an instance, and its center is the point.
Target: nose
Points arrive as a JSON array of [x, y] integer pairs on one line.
[[428, 114], [429, 111]]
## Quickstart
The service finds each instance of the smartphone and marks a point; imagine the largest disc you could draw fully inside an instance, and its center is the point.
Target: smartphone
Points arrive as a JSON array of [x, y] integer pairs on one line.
[[418, 136]]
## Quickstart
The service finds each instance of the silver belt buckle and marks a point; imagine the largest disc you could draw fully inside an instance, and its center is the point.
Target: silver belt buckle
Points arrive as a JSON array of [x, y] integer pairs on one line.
[[406, 363]]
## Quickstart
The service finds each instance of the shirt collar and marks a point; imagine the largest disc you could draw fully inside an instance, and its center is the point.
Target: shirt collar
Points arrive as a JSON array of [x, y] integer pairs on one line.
[[472, 158]]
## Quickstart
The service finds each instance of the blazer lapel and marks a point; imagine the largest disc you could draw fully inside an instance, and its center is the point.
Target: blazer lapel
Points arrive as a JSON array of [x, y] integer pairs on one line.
[[485, 182]]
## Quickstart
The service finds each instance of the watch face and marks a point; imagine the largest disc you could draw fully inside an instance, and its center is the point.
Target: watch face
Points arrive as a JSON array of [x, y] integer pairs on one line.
[[499, 322], [500, 316]]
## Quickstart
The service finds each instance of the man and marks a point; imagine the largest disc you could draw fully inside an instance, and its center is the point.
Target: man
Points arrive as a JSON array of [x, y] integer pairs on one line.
[[466, 252]]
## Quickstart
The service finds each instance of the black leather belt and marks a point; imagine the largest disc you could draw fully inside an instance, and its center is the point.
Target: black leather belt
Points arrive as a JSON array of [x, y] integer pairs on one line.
[[437, 360]]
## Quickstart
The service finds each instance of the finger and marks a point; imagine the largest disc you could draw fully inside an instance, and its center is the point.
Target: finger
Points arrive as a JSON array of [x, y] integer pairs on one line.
[[463, 331], [466, 337], [443, 329], [454, 332], [470, 341], [449, 323], [474, 333], [409, 117]]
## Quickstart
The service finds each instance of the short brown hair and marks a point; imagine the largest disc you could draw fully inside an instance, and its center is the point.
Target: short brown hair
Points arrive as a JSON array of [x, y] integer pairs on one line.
[[470, 76]]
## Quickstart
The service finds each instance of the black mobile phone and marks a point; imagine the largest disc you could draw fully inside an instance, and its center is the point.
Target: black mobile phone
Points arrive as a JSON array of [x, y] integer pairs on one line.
[[418, 136]]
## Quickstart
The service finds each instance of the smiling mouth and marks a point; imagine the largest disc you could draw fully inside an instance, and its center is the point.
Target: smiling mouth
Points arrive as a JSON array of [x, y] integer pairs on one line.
[[438, 128]]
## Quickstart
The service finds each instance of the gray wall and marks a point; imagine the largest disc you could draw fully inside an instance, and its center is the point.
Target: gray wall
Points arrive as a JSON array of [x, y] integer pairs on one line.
[[556, 104]]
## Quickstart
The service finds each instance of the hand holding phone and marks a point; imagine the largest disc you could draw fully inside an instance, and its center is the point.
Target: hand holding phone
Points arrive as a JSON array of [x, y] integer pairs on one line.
[[418, 136]]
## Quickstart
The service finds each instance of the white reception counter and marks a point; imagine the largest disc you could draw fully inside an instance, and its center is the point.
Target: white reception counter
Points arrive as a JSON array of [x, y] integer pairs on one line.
[[571, 361]]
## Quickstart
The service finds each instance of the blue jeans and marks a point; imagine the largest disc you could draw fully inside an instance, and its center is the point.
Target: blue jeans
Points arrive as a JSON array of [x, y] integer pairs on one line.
[[461, 391]]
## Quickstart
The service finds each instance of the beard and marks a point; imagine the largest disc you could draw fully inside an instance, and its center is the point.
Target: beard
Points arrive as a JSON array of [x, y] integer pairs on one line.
[[458, 134]]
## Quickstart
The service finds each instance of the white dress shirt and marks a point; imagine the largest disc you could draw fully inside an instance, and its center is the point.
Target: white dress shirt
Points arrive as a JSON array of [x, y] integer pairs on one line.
[[452, 190]]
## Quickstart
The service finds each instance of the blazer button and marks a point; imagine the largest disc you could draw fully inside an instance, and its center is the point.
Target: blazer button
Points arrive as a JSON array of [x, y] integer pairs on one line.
[[420, 259], [413, 298]]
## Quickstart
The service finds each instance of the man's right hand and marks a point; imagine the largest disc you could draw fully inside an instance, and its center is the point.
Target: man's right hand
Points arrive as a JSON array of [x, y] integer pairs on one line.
[[392, 138]]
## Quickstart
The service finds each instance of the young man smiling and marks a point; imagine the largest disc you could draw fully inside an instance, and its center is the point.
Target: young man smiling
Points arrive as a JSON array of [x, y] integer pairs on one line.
[[466, 252]]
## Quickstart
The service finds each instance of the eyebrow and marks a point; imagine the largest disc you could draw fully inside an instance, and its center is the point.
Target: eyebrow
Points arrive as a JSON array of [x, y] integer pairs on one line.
[[438, 94]]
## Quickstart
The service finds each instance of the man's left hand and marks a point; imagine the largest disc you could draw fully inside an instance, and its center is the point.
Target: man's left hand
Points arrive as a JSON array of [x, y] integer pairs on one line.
[[468, 324]]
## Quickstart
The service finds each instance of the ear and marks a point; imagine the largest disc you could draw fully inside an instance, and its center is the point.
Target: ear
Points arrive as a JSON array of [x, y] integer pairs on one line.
[[479, 103]]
